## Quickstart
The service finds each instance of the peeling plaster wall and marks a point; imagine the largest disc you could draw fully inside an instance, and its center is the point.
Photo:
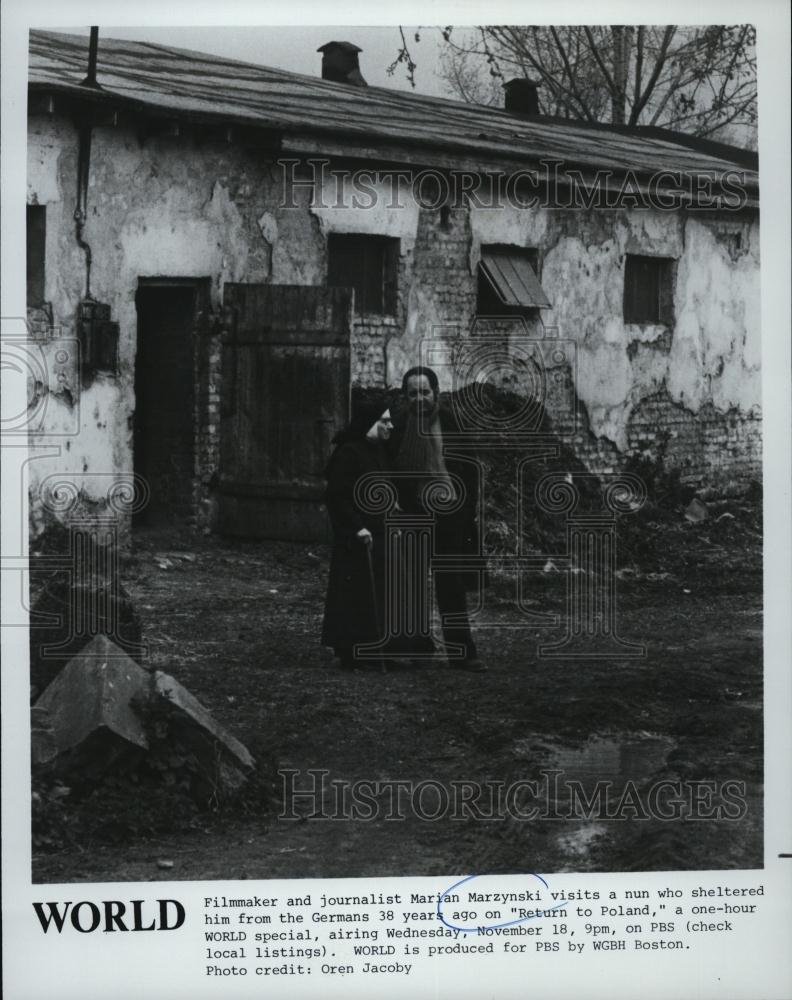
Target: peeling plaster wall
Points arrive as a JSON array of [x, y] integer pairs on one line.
[[342, 208], [714, 345], [715, 353], [439, 298], [162, 207], [170, 207], [709, 358]]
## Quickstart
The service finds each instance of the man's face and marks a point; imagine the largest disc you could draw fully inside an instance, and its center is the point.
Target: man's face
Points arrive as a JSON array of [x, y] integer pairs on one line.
[[421, 400]]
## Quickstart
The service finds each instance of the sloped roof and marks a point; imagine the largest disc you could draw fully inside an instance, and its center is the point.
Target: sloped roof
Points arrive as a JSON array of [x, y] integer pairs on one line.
[[163, 79]]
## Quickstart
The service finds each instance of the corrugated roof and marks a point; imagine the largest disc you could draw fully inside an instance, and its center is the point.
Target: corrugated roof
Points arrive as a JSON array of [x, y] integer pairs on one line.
[[178, 81]]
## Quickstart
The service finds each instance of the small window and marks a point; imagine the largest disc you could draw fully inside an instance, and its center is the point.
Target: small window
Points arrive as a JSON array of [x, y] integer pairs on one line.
[[98, 338], [36, 248], [508, 282], [369, 264], [648, 289]]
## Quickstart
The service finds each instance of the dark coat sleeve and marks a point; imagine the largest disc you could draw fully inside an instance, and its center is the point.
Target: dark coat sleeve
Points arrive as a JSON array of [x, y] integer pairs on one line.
[[347, 466], [343, 473], [466, 466]]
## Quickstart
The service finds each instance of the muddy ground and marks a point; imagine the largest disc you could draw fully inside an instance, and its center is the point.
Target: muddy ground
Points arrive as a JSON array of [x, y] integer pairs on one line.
[[237, 623]]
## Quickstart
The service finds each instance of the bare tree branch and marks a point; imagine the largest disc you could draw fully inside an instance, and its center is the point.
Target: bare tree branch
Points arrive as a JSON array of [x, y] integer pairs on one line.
[[699, 79], [596, 53], [571, 75], [660, 61], [403, 56]]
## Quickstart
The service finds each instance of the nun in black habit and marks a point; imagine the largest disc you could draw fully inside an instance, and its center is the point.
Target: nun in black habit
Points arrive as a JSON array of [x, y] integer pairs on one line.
[[354, 610]]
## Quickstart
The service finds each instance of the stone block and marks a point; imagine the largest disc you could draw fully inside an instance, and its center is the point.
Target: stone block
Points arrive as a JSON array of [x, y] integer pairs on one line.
[[225, 762], [696, 511], [90, 708]]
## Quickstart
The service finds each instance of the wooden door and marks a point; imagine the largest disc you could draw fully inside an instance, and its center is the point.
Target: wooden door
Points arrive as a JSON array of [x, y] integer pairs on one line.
[[284, 394]]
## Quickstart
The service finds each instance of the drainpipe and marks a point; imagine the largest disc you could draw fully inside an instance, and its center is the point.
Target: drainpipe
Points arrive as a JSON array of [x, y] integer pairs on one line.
[[84, 162]]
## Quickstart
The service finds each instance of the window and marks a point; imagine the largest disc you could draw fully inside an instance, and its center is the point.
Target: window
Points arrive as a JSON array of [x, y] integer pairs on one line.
[[36, 246], [508, 282], [648, 289], [98, 338], [369, 264]]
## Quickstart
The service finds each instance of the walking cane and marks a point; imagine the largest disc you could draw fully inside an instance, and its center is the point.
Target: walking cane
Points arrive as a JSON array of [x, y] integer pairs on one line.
[[372, 581]]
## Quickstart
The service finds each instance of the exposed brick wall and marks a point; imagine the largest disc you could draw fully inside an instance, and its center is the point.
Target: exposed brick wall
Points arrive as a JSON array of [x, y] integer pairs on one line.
[[707, 447], [208, 362], [367, 343], [442, 264], [437, 266]]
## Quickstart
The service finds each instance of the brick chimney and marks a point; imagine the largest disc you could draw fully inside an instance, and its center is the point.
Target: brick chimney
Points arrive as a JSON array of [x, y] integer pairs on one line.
[[521, 96], [340, 63]]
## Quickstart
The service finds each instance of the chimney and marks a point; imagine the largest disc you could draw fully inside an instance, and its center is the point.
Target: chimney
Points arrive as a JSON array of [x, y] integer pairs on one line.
[[521, 96], [340, 63]]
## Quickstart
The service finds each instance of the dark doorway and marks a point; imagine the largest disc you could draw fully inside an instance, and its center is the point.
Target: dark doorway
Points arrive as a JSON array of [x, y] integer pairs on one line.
[[164, 429]]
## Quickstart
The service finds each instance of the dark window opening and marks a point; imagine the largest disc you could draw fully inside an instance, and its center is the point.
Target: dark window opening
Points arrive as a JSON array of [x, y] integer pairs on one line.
[[98, 338], [36, 252], [648, 289], [369, 265], [508, 282]]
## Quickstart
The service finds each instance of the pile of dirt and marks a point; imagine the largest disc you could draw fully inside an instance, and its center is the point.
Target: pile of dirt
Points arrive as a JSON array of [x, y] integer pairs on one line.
[[655, 541]]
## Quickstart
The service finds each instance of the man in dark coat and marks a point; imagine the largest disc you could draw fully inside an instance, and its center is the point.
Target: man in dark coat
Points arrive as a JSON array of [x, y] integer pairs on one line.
[[417, 446], [354, 610]]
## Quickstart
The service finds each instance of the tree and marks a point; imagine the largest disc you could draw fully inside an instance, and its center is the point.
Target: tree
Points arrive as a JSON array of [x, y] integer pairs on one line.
[[700, 80]]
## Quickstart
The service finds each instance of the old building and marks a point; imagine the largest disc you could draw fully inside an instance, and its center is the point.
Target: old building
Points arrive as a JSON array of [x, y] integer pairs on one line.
[[197, 228]]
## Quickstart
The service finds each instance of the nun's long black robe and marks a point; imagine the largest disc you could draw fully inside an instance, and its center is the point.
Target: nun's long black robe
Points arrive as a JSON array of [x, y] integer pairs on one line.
[[351, 615]]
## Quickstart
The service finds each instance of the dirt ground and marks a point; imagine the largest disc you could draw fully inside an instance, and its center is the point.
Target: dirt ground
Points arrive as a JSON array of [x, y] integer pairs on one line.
[[238, 623]]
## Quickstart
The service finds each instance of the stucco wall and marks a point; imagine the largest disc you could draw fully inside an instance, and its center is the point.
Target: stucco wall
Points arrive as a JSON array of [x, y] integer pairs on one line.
[[154, 210], [712, 353], [173, 207]]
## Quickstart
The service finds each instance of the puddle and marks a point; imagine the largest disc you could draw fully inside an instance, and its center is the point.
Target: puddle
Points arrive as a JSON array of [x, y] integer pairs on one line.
[[578, 842], [622, 761], [608, 758], [618, 759]]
